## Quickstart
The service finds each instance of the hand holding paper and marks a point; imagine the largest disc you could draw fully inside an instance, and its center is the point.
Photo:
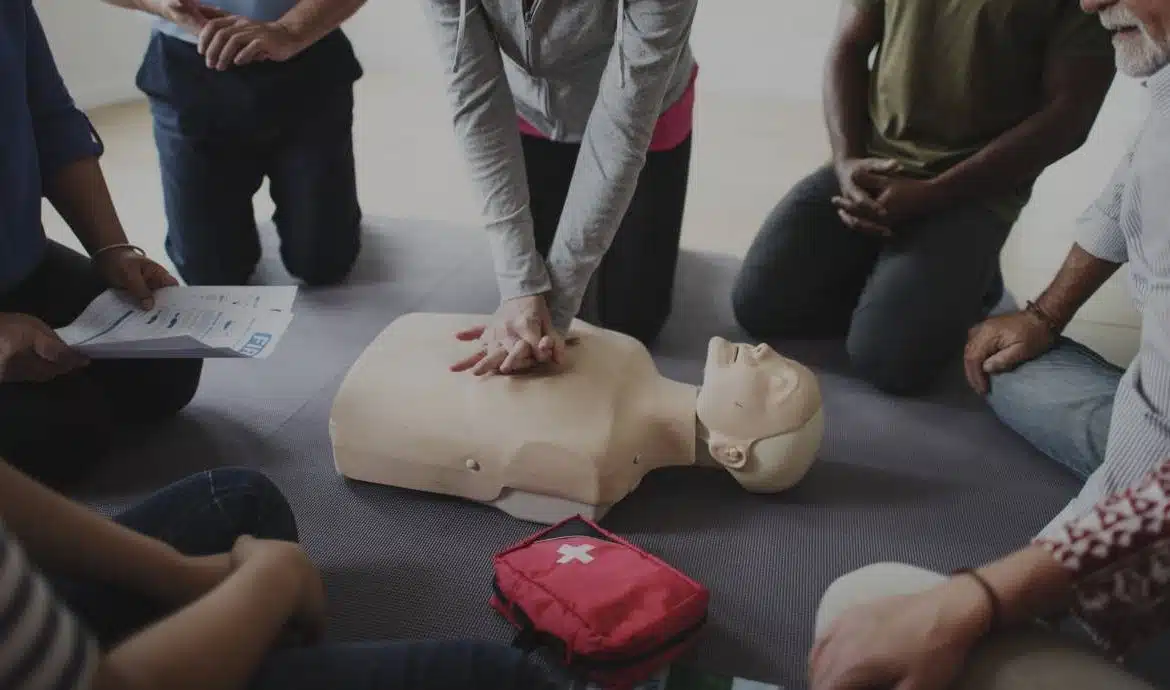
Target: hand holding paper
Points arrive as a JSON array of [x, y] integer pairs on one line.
[[185, 322]]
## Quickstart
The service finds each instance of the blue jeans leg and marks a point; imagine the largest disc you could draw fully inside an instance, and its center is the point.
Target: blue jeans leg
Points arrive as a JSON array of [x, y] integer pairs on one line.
[[430, 665], [200, 515], [1061, 403], [313, 183], [208, 182]]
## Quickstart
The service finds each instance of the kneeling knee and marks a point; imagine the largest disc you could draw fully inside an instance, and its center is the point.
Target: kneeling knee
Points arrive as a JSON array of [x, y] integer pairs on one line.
[[175, 386], [325, 268], [323, 271], [644, 325], [889, 368], [253, 503]]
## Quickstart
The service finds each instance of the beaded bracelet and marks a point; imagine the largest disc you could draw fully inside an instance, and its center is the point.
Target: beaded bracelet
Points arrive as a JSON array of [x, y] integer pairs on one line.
[[1035, 310]]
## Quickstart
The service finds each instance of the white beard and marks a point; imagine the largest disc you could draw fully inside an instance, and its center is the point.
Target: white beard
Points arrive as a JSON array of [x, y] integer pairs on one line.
[[1137, 54]]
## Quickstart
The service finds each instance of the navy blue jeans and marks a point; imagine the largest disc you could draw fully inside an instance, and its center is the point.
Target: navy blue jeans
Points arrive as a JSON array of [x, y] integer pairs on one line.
[[205, 514], [220, 134], [1061, 402]]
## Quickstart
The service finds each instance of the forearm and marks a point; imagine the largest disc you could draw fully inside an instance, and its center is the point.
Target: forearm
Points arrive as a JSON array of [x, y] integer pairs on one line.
[[311, 20], [846, 101], [67, 538], [615, 145], [1081, 275], [484, 120], [79, 193], [1029, 584], [1073, 88], [216, 642], [1016, 157]]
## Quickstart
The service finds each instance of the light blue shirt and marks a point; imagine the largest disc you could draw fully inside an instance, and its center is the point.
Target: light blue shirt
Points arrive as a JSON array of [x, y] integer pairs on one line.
[[1130, 224], [260, 10]]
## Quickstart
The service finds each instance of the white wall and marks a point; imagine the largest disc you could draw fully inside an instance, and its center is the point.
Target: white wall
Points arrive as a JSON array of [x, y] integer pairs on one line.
[[97, 47]]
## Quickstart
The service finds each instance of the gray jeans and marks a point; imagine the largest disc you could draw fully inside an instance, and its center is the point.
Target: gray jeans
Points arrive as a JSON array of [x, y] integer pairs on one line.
[[904, 304]]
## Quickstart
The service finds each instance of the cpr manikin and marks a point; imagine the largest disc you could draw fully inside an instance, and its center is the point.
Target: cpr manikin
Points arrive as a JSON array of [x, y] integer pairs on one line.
[[575, 438]]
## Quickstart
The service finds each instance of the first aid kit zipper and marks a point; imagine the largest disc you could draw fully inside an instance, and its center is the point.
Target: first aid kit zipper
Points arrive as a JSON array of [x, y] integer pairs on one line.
[[530, 639]]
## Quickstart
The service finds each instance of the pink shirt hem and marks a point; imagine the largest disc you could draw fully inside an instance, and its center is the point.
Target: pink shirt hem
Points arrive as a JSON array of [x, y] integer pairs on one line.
[[674, 125]]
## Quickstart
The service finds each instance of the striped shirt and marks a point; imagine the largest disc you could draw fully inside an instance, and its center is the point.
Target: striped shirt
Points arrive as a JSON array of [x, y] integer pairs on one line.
[[1130, 223], [42, 644]]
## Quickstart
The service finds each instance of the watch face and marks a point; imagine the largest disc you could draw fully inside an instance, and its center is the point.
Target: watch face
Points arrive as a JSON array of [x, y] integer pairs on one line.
[[682, 678]]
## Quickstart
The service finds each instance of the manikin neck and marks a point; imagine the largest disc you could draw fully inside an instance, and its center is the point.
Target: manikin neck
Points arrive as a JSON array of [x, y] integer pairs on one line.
[[669, 409]]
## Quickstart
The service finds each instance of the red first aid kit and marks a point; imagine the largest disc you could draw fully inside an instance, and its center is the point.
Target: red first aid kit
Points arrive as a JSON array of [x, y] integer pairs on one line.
[[613, 613]]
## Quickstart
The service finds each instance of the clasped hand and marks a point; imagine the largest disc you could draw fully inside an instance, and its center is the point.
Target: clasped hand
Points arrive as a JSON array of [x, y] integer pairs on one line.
[[227, 40], [519, 336], [192, 577], [875, 200]]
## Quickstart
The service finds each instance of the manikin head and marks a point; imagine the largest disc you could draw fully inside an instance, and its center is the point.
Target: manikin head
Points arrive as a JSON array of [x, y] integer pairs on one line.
[[1141, 33], [761, 414]]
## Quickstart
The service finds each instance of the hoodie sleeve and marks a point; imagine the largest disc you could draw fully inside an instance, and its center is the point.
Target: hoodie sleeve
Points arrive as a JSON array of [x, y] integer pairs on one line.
[[651, 37], [485, 126]]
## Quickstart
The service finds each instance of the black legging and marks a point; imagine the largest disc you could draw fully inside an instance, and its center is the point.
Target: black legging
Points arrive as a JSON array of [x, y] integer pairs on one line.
[[632, 288], [55, 430]]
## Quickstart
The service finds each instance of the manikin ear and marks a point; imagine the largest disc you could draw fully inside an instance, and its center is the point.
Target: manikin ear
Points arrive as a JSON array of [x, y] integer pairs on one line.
[[731, 455]]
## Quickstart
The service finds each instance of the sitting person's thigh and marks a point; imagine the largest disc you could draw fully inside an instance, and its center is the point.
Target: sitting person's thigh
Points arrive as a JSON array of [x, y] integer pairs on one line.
[[805, 269], [202, 514], [55, 429], [1061, 402], [928, 288]]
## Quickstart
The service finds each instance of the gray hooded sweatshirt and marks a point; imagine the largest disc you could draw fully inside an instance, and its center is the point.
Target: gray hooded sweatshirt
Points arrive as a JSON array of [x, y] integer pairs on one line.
[[598, 72]]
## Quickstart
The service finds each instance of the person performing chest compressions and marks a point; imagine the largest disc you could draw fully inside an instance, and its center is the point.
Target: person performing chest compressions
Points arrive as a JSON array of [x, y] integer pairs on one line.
[[573, 438]]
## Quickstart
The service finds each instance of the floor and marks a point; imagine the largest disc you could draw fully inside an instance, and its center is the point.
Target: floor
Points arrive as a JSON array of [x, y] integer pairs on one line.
[[749, 149]]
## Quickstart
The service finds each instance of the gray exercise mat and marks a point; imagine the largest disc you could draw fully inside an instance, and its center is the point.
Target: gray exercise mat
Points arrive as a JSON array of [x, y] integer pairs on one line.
[[936, 482]]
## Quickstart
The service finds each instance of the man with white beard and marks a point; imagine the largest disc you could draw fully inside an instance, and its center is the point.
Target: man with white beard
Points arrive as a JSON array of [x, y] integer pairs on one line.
[[1102, 560]]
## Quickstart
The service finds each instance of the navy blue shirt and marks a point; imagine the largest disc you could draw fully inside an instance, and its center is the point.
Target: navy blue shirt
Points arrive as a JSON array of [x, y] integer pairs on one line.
[[41, 130]]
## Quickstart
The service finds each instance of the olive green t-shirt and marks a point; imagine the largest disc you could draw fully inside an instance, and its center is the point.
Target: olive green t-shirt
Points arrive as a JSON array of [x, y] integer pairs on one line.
[[952, 75]]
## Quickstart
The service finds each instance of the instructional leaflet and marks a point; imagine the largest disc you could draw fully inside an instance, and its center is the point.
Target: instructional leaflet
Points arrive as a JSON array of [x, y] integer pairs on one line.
[[186, 322]]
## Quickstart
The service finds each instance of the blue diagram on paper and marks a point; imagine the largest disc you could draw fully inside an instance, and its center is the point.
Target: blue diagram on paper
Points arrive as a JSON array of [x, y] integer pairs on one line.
[[256, 344]]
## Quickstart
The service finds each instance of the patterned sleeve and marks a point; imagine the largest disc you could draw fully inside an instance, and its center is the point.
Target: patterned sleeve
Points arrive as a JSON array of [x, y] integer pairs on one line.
[[1119, 556], [42, 645]]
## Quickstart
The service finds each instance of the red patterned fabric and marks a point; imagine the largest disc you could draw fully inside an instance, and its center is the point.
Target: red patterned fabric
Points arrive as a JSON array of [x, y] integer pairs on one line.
[[1119, 555]]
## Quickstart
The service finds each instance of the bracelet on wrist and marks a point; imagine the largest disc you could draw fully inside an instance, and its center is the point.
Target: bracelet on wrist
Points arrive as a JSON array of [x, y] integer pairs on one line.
[[992, 597], [1050, 323], [121, 245]]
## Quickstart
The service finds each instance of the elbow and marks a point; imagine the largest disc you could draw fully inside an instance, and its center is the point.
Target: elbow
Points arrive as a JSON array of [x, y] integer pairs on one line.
[[1074, 119], [1077, 130], [848, 57]]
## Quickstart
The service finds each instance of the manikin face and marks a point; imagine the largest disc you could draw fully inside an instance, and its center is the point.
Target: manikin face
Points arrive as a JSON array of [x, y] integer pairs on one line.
[[1141, 32], [749, 394]]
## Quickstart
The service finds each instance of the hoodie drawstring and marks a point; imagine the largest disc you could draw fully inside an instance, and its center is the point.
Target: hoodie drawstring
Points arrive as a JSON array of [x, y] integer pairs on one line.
[[621, 34], [459, 34]]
